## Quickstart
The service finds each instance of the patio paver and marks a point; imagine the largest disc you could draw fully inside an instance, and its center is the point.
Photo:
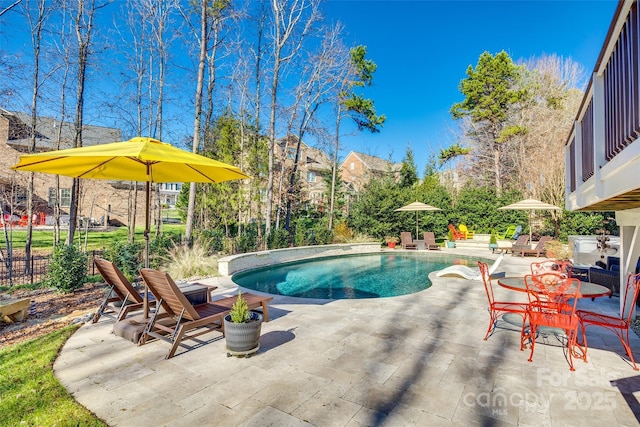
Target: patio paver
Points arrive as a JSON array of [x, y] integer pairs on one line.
[[412, 360]]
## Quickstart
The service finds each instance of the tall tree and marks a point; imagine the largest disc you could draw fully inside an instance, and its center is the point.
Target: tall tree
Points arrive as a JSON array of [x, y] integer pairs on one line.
[[408, 170], [83, 21], [36, 14], [492, 91], [203, 42], [318, 80], [357, 73], [288, 17]]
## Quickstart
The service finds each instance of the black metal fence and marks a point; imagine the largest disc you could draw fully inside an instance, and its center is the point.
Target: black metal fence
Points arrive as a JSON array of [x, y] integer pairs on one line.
[[13, 271]]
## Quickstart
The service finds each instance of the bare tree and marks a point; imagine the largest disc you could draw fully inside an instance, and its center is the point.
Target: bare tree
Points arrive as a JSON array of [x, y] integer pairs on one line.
[[8, 8], [291, 23], [319, 78], [83, 21], [36, 15]]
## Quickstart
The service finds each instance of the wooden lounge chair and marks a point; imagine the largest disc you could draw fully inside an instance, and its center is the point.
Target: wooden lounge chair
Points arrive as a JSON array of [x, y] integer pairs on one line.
[[430, 241], [407, 241], [539, 250], [186, 318], [122, 297], [520, 244]]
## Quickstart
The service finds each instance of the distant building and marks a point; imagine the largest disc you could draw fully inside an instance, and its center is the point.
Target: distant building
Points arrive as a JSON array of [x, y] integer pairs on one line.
[[168, 193], [99, 199], [358, 168], [314, 169]]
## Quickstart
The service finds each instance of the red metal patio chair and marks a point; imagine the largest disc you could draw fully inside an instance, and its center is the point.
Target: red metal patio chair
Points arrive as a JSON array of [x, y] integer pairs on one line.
[[552, 304], [498, 308], [618, 325]]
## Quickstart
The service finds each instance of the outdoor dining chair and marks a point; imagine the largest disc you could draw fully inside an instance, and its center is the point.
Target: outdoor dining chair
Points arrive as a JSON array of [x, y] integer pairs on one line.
[[552, 304], [498, 308], [618, 325]]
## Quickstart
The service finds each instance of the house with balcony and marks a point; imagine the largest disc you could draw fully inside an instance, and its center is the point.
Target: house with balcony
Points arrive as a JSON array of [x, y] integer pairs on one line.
[[602, 153]]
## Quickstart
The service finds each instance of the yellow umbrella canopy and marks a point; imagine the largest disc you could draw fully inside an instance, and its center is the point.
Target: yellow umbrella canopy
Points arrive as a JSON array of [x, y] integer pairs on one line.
[[139, 159], [417, 206]]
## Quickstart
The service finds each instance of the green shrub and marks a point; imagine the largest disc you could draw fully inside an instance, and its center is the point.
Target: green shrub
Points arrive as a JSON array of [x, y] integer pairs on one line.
[[129, 257], [215, 238], [67, 269], [278, 238]]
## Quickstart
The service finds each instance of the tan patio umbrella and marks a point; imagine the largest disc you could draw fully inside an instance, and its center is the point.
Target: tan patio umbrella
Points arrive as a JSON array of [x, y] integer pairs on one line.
[[139, 159], [417, 206], [530, 205]]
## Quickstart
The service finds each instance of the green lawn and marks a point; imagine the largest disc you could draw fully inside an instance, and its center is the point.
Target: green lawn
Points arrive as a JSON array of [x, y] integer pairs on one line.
[[30, 394], [96, 238]]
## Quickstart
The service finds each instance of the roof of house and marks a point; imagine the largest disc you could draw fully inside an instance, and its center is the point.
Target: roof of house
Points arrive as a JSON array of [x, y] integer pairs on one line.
[[313, 158], [375, 163], [47, 132]]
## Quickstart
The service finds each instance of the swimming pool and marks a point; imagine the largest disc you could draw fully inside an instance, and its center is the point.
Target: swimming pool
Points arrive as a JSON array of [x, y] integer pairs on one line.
[[375, 275]]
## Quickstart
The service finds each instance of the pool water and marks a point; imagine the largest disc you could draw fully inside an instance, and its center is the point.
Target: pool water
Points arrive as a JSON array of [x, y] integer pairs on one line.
[[350, 277]]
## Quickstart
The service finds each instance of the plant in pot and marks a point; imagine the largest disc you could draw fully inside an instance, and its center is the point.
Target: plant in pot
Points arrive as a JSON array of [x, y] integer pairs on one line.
[[391, 241], [242, 329], [451, 242], [493, 241]]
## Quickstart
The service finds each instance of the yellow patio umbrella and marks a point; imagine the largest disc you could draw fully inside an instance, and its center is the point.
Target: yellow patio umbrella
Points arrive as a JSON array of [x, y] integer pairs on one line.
[[417, 206], [139, 159]]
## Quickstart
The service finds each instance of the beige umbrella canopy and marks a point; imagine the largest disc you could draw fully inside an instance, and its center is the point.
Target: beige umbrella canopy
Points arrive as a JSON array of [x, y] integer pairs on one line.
[[530, 205], [417, 206]]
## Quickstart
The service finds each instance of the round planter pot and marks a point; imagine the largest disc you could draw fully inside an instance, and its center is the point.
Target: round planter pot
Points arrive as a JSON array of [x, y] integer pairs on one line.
[[391, 245], [243, 339], [451, 244]]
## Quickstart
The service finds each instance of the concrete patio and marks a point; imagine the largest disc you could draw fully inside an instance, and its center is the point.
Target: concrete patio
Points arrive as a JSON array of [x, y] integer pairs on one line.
[[412, 360]]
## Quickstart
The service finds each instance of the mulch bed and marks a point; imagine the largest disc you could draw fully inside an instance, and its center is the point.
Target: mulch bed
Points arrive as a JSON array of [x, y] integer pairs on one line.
[[51, 311]]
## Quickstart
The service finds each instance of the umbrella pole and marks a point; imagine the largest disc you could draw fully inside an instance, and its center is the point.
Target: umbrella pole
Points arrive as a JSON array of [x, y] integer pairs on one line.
[[417, 238], [146, 247]]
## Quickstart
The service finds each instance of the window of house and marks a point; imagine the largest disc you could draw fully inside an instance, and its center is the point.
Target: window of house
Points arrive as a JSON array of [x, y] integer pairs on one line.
[[311, 176], [352, 165], [65, 197], [291, 153], [21, 196]]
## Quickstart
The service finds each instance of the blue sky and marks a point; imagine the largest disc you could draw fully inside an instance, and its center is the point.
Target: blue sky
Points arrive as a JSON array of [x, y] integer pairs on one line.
[[423, 48]]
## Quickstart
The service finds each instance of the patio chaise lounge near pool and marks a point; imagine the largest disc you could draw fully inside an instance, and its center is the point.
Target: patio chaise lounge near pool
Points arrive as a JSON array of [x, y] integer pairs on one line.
[[469, 272], [198, 319]]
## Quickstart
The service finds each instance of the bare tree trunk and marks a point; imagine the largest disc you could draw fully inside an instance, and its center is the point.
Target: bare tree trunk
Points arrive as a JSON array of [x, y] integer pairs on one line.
[[285, 22], [198, 113], [84, 26], [36, 39]]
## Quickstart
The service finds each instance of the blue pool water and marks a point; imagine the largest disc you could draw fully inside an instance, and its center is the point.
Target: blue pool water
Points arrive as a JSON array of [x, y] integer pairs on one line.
[[350, 277]]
